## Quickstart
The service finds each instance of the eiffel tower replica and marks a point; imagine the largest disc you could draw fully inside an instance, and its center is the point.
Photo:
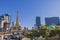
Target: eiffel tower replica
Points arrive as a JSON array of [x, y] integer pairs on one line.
[[17, 25]]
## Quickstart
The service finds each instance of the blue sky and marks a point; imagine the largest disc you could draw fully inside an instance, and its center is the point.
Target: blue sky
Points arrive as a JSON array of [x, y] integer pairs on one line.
[[29, 9]]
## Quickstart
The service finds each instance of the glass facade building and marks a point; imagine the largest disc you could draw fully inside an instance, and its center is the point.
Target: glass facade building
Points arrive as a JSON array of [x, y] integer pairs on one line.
[[52, 21], [38, 22]]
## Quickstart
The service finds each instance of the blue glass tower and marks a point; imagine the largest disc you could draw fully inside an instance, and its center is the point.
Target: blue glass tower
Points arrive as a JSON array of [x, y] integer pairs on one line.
[[38, 22], [52, 21]]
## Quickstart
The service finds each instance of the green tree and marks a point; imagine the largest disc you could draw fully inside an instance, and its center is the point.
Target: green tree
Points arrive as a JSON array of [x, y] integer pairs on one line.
[[33, 33], [53, 33], [44, 30]]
